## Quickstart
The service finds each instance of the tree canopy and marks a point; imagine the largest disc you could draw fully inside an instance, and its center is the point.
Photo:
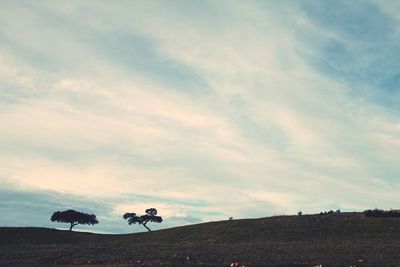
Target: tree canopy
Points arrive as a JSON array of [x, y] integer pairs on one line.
[[74, 218], [150, 216]]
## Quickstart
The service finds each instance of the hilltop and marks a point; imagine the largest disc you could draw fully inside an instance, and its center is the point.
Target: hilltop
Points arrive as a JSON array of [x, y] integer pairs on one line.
[[347, 239]]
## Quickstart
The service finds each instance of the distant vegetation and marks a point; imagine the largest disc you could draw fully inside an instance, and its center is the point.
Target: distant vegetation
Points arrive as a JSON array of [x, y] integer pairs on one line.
[[150, 216], [330, 212], [382, 213], [74, 218]]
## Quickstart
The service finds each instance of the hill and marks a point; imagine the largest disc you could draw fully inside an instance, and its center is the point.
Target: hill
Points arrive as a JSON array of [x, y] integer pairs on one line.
[[347, 239]]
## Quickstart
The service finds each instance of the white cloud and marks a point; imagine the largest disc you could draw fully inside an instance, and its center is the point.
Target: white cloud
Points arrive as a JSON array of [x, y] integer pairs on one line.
[[271, 136]]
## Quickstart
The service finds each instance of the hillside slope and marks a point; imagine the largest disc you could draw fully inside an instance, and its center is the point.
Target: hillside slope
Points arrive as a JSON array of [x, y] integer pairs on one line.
[[308, 240]]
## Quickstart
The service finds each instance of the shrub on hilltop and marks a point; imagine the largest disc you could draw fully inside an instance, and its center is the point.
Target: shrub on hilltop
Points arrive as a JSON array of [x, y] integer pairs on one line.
[[381, 213]]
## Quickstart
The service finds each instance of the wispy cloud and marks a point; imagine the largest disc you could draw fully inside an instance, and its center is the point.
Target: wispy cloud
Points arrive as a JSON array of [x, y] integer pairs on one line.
[[356, 43], [204, 110]]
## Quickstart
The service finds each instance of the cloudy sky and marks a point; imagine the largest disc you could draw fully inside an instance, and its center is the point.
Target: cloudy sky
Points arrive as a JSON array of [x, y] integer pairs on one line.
[[201, 109]]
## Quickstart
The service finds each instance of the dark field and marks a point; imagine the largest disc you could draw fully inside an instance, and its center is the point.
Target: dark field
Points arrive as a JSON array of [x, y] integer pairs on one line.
[[347, 239]]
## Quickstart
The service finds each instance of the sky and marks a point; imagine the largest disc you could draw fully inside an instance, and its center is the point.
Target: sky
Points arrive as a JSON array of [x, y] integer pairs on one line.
[[204, 110]]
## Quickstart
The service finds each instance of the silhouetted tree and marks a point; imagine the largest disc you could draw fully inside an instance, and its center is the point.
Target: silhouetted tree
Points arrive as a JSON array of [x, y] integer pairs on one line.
[[150, 216], [381, 213], [74, 218], [327, 212]]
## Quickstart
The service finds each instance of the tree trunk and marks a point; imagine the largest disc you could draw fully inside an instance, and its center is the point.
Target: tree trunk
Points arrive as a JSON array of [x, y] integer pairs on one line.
[[148, 229], [72, 225]]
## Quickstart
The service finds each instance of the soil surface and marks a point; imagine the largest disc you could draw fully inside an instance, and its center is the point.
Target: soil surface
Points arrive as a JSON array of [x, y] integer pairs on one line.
[[347, 239]]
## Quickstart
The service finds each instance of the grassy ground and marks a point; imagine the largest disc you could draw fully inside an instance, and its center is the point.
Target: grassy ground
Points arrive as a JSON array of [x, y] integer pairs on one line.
[[331, 240]]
